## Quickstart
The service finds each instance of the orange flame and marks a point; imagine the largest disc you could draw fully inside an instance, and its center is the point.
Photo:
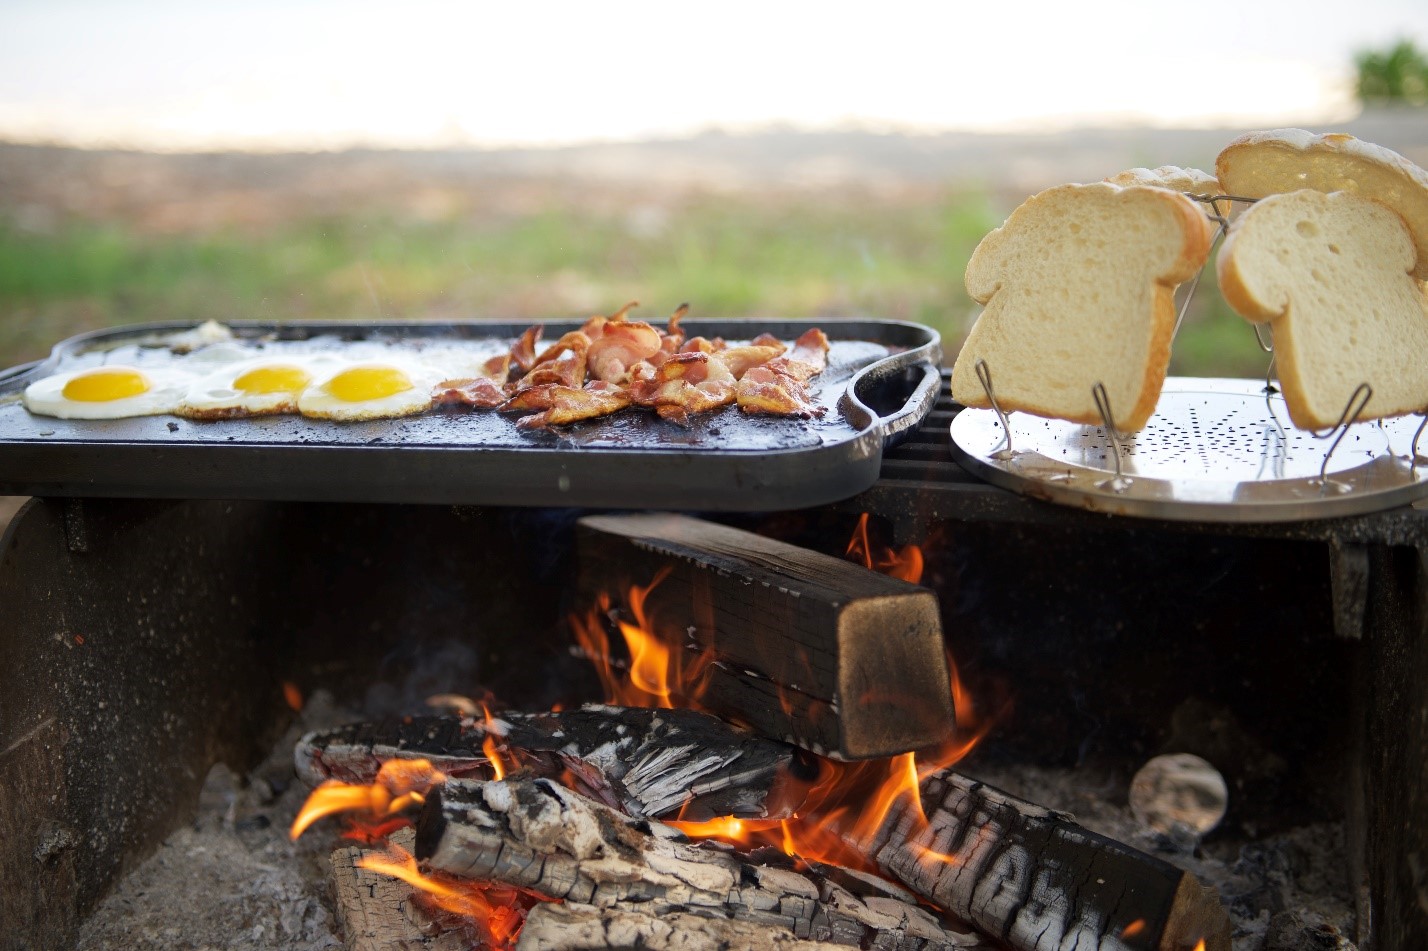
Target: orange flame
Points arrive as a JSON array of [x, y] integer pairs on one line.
[[1133, 929], [849, 803], [495, 911], [489, 747], [400, 783], [905, 564], [657, 674], [728, 828]]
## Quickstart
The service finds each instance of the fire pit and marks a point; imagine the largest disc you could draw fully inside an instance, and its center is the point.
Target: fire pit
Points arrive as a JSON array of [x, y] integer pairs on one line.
[[150, 639]]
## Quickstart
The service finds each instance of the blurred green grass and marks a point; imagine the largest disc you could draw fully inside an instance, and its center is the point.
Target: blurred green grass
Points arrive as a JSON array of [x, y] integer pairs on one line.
[[814, 257]]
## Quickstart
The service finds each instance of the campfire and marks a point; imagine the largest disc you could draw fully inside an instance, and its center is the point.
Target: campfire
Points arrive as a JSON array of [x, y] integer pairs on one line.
[[769, 769]]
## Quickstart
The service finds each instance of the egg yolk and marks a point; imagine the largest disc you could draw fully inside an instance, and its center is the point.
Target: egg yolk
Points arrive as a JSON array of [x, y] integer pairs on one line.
[[104, 384], [359, 384], [274, 379]]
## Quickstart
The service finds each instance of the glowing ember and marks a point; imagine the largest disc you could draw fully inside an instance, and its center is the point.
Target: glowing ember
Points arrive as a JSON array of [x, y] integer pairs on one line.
[[496, 912], [292, 695], [400, 783], [1133, 929]]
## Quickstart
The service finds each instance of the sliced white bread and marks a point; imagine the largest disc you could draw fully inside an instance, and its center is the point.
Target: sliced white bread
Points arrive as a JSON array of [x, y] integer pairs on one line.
[[1286, 160], [1078, 286], [1332, 274], [1173, 177], [1191, 181]]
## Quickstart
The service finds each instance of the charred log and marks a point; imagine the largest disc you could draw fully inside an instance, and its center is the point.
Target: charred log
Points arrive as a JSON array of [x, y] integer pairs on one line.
[[1038, 881], [540, 836], [843, 661], [643, 762]]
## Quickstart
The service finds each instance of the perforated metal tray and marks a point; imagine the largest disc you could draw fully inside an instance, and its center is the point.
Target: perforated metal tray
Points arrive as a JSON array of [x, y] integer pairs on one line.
[[1216, 450], [882, 379]]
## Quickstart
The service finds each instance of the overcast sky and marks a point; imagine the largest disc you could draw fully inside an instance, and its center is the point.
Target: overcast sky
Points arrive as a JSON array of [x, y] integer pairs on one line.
[[324, 73]]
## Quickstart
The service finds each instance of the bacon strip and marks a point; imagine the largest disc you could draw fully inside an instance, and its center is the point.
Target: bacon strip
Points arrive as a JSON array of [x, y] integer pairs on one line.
[[741, 360], [560, 404], [687, 384], [523, 353], [779, 387], [563, 362], [486, 391], [622, 345]]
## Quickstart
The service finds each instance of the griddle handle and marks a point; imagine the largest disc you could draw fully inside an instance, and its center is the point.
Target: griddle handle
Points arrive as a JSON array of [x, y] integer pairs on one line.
[[13, 372], [877, 395]]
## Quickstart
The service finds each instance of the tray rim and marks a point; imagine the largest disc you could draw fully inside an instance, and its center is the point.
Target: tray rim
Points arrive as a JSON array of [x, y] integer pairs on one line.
[[1075, 495]]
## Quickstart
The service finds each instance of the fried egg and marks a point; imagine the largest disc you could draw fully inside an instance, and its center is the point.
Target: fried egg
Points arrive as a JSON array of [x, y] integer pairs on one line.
[[107, 392], [377, 389], [260, 387]]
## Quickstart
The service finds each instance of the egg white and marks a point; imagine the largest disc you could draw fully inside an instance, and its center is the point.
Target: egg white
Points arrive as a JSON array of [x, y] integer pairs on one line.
[[166, 388], [319, 401], [217, 395]]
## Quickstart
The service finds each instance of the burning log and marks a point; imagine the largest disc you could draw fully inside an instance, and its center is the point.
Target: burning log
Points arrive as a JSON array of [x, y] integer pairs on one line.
[[644, 762], [1038, 881], [375, 911], [538, 835], [838, 659]]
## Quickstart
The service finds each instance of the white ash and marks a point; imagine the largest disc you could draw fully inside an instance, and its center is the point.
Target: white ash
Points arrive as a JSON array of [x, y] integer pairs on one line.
[[231, 879]]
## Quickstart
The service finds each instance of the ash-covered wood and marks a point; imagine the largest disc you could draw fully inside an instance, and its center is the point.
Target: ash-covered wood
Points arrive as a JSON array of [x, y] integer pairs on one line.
[[838, 659], [376, 912], [538, 835], [572, 927], [642, 761], [1037, 880]]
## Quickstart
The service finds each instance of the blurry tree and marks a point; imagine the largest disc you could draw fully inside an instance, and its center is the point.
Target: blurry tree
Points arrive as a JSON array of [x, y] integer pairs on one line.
[[1398, 74]]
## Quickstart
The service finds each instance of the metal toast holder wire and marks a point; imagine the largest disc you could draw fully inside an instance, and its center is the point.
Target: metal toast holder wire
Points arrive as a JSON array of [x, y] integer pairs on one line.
[[1215, 449]]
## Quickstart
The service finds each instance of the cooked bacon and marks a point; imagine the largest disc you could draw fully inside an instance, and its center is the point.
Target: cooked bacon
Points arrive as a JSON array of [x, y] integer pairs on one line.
[[480, 392], [484, 391], [810, 350], [523, 353], [594, 328], [560, 405], [702, 345], [623, 344], [778, 387], [687, 383], [771, 390], [563, 363], [631, 361], [670, 343], [741, 360]]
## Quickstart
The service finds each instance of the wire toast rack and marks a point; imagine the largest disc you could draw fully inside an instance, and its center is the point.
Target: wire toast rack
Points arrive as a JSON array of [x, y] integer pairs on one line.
[[1215, 449]]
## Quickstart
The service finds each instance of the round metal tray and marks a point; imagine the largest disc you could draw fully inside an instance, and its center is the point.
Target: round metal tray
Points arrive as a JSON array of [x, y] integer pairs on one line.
[[1215, 451]]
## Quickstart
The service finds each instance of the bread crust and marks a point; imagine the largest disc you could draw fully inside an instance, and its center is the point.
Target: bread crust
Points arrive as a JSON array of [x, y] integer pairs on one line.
[[1016, 325], [1275, 161], [1188, 181]]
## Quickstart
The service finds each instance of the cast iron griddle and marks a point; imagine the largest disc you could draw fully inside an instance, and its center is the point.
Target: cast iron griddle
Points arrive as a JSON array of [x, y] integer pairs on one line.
[[881, 380]]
